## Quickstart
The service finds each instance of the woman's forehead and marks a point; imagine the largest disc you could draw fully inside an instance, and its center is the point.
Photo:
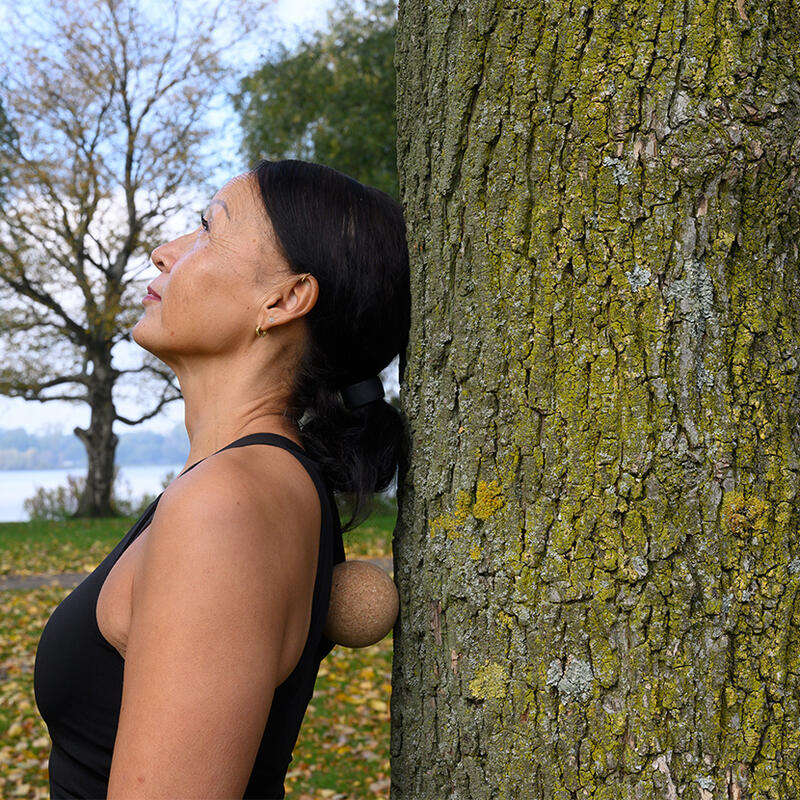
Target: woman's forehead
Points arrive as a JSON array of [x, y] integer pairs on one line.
[[245, 223], [238, 199]]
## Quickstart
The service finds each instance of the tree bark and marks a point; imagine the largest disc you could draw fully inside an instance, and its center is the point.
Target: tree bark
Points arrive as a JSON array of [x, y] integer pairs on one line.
[[597, 550]]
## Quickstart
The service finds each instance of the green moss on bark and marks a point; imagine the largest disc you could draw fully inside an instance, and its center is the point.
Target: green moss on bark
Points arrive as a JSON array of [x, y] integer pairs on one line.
[[597, 551]]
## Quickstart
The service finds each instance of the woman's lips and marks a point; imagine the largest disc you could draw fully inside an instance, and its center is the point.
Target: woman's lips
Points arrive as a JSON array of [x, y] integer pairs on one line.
[[151, 295]]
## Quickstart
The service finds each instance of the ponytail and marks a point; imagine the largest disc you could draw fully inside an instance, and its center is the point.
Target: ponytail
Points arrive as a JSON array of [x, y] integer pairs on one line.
[[356, 449]]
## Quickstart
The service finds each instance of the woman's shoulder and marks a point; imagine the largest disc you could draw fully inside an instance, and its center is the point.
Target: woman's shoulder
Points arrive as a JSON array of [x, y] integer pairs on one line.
[[261, 480], [221, 600], [256, 500]]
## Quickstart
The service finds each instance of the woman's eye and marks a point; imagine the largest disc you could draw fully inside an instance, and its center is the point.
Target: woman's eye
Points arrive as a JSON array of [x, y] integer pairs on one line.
[[203, 223]]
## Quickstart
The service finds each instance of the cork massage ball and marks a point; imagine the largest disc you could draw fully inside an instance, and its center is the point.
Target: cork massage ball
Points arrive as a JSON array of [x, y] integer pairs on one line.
[[364, 604]]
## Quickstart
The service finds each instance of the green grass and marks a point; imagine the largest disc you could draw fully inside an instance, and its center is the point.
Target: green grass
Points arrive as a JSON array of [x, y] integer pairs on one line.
[[75, 545], [372, 538], [343, 748], [79, 545]]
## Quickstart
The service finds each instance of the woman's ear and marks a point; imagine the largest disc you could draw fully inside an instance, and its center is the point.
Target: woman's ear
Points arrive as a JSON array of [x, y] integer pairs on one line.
[[293, 299]]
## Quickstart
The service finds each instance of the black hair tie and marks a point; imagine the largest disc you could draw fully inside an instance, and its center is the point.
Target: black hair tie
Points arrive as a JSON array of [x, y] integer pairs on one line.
[[362, 393]]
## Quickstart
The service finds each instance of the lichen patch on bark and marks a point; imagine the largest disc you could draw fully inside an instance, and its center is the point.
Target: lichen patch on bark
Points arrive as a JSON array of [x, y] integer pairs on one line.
[[491, 680]]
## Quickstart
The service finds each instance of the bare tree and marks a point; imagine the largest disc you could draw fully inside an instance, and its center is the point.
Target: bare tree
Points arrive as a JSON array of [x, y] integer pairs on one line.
[[109, 100]]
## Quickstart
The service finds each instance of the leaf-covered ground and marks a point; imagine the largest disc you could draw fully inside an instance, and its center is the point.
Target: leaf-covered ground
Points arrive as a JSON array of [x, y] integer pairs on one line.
[[23, 736], [343, 749]]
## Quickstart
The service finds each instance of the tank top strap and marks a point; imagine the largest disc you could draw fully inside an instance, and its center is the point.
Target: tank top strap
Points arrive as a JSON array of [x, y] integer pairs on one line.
[[329, 508], [274, 439], [331, 550]]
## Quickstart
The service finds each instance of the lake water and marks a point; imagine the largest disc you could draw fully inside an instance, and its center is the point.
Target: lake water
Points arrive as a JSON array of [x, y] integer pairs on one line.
[[17, 485]]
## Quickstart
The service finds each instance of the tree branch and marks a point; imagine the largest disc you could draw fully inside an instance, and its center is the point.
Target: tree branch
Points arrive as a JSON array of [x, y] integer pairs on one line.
[[162, 402], [29, 395], [23, 286]]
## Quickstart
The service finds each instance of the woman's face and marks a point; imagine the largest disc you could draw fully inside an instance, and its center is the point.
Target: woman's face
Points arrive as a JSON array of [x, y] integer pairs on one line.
[[213, 280]]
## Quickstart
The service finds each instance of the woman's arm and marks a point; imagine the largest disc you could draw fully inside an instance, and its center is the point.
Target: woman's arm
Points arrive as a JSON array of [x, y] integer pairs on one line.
[[220, 612]]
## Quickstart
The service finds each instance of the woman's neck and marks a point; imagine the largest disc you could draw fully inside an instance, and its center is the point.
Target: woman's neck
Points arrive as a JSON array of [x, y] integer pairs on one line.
[[219, 410]]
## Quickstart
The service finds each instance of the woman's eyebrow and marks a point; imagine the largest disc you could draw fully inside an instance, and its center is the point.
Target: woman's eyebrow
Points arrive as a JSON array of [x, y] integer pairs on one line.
[[223, 204]]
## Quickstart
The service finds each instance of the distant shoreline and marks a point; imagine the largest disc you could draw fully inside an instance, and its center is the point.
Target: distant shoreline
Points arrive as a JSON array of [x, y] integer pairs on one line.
[[22, 450], [133, 482], [67, 467]]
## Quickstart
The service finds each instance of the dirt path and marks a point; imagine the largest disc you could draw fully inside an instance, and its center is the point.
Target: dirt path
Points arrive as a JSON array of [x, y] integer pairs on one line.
[[65, 579], [70, 579]]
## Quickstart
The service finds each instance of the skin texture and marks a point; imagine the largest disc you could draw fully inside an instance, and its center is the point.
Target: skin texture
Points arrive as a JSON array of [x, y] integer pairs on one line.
[[212, 607], [216, 286]]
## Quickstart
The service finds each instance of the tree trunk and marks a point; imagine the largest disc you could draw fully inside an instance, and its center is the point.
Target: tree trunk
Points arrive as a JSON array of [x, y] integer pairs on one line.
[[597, 551], [99, 440]]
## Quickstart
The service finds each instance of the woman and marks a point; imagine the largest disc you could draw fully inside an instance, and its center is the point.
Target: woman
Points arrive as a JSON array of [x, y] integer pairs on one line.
[[181, 668]]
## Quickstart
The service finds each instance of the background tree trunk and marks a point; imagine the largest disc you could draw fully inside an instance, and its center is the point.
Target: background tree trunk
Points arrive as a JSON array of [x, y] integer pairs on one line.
[[598, 553], [99, 438]]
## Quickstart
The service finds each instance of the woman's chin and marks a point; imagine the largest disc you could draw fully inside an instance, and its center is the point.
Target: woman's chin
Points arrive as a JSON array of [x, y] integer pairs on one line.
[[144, 339], [139, 335]]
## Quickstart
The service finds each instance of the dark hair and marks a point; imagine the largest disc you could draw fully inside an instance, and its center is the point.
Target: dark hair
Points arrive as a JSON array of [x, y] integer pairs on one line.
[[352, 239]]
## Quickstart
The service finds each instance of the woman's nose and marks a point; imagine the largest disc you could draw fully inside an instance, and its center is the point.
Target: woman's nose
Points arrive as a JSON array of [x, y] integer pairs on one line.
[[158, 257], [165, 255]]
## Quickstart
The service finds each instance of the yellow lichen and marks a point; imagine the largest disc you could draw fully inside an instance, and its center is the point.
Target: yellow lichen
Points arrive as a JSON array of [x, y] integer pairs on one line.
[[488, 499], [505, 619], [743, 515], [491, 680], [463, 504], [444, 523]]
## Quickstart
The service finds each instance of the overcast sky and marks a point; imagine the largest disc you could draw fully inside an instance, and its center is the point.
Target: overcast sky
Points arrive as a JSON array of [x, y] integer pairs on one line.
[[35, 416], [303, 12]]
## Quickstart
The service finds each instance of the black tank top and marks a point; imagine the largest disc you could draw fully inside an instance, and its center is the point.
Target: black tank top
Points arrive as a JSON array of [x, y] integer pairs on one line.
[[78, 674]]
